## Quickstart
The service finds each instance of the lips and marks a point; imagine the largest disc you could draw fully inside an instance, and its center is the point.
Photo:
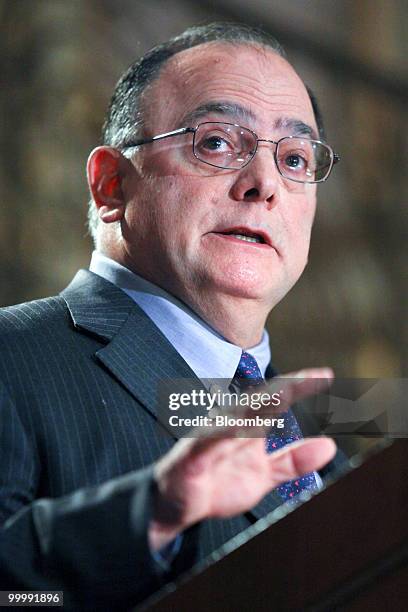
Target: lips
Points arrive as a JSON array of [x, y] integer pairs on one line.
[[246, 234]]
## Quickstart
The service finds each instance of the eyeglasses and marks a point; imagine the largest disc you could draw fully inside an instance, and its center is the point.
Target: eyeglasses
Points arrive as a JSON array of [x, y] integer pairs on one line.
[[232, 147]]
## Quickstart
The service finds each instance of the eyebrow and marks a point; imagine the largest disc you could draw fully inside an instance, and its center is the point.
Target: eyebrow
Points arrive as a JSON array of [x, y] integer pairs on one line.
[[236, 112], [230, 109], [296, 126]]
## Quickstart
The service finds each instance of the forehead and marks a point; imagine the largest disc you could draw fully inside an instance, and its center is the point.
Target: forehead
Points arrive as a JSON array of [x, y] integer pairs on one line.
[[255, 78]]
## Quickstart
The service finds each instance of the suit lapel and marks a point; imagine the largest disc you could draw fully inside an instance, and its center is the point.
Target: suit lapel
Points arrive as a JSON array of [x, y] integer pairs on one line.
[[149, 367], [136, 352]]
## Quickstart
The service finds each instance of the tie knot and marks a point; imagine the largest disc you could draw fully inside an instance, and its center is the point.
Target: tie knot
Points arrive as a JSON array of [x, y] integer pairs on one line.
[[248, 370]]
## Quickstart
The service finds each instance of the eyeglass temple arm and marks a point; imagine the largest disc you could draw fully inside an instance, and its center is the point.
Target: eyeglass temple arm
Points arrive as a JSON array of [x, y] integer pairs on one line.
[[138, 143], [336, 158]]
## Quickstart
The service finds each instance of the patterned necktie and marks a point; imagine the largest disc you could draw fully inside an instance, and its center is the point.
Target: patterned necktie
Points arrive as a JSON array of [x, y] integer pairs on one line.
[[248, 374]]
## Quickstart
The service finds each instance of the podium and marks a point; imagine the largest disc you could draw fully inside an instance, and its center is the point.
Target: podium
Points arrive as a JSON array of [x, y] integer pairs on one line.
[[346, 548]]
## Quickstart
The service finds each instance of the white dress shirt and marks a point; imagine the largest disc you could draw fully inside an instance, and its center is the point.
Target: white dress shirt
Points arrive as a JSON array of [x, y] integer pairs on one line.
[[209, 355]]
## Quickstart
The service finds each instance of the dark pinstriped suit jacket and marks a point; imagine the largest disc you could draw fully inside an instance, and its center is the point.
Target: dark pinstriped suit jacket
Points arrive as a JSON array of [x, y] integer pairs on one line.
[[78, 380]]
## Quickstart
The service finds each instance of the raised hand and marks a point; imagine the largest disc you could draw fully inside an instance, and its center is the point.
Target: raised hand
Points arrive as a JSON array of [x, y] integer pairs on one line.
[[223, 473]]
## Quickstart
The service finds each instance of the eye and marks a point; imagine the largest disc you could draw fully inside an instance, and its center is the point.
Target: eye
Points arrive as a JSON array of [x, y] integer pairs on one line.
[[295, 161], [215, 143]]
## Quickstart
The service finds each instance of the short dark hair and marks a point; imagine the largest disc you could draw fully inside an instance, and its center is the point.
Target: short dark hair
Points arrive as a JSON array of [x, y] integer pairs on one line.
[[124, 118]]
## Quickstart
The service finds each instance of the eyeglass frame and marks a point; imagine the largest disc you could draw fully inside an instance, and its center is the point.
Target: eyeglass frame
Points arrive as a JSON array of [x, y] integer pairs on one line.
[[335, 158]]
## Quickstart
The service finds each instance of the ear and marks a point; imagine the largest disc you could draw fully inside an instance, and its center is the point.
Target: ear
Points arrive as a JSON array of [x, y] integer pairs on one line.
[[105, 173]]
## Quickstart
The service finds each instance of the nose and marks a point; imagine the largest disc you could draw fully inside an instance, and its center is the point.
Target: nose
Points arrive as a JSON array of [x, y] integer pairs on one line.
[[259, 181]]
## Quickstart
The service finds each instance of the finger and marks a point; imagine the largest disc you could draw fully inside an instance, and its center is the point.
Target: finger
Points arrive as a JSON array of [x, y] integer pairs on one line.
[[237, 423], [197, 452], [308, 387], [283, 392], [296, 386], [226, 453], [323, 372], [299, 458]]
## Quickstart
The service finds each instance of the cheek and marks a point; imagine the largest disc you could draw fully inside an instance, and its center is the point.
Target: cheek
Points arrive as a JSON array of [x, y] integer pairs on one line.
[[299, 227], [189, 201], [303, 213], [175, 214]]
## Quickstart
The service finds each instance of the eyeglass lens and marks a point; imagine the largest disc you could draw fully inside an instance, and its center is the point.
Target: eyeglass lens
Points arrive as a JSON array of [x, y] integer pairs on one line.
[[228, 146]]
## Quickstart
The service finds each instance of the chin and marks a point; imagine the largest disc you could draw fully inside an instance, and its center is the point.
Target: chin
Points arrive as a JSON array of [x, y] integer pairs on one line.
[[251, 289]]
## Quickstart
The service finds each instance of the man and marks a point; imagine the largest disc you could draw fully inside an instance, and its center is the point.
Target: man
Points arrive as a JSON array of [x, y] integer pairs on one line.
[[203, 199]]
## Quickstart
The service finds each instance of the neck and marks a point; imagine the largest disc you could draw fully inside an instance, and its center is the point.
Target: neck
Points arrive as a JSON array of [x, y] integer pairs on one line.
[[238, 320]]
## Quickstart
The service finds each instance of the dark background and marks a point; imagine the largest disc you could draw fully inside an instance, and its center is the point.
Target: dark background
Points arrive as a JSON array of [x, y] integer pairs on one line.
[[60, 60]]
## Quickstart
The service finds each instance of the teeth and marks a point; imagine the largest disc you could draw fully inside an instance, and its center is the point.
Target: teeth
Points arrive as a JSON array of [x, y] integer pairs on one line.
[[247, 238]]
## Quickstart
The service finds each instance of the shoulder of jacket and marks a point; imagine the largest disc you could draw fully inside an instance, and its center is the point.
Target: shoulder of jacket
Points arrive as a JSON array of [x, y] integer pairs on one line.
[[30, 315]]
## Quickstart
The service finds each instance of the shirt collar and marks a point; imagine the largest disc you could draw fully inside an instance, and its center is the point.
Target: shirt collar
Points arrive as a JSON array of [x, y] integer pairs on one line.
[[209, 355]]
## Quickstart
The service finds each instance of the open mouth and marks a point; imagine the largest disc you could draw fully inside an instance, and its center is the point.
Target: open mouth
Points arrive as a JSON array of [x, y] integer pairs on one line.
[[244, 235]]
